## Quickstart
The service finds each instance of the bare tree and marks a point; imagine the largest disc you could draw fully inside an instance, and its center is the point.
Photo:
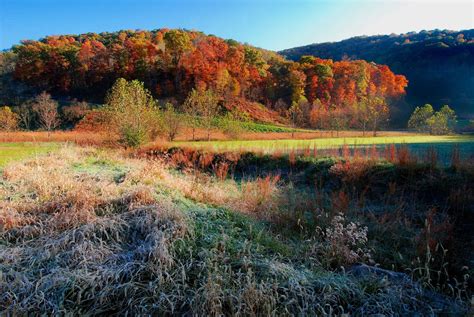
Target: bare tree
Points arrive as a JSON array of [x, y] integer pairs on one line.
[[47, 111], [25, 114]]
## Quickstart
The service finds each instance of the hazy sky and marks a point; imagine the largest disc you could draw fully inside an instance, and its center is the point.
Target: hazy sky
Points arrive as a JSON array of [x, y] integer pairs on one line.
[[275, 25]]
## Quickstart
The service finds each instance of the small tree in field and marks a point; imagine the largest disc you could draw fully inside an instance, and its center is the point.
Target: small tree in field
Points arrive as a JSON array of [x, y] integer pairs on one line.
[[26, 114], [451, 118], [8, 119], [132, 112], [171, 122], [191, 107], [231, 125], [424, 119], [378, 113], [47, 111], [293, 113], [443, 121], [203, 104], [419, 119], [361, 116]]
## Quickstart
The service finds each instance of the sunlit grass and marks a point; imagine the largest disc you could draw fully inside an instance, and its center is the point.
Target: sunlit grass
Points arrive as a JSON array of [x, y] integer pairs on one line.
[[10, 152], [324, 143]]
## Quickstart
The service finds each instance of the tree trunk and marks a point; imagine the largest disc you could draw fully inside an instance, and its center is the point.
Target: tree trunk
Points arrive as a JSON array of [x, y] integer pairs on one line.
[[375, 127]]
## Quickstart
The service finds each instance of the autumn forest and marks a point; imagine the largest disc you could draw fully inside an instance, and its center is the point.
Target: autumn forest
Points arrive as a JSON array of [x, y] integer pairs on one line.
[[173, 62]]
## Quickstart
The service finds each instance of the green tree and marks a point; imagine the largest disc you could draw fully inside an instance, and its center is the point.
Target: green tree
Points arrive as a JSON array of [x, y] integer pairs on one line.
[[8, 119], [132, 112], [231, 125], [171, 121], [443, 121], [419, 119], [361, 115], [209, 110], [201, 107], [451, 117], [191, 107], [378, 113], [438, 124], [177, 42]]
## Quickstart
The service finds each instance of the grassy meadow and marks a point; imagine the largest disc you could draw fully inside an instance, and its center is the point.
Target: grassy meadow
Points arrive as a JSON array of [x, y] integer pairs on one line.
[[418, 145], [325, 143], [166, 230], [10, 152]]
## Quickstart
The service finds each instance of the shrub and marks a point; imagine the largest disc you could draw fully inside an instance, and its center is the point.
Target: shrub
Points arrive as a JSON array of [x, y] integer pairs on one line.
[[346, 242], [132, 112], [261, 195], [133, 136], [8, 119], [231, 126], [74, 113], [171, 122]]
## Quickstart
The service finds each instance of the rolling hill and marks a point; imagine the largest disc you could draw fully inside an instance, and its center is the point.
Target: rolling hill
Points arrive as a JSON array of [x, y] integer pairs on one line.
[[438, 64]]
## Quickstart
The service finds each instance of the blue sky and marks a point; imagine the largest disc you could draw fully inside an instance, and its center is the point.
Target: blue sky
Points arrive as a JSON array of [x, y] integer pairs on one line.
[[275, 25]]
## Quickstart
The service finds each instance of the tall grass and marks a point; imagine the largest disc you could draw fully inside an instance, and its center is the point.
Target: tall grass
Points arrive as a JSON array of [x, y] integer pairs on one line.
[[90, 231]]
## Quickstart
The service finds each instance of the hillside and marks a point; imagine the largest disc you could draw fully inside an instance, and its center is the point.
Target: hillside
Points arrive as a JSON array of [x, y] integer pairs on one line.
[[439, 65], [173, 62]]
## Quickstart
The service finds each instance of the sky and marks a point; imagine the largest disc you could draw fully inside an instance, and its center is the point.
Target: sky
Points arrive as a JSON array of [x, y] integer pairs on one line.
[[270, 24]]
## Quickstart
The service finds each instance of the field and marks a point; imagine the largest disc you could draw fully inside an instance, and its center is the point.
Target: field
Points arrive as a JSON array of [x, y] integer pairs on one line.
[[416, 144], [17, 151], [181, 231]]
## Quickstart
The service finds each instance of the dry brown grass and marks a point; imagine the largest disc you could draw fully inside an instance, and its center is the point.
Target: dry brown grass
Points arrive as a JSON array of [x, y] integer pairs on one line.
[[86, 231], [201, 134], [81, 138]]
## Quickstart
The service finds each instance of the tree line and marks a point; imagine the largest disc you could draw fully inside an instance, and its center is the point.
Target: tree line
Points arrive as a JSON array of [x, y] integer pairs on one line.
[[173, 63], [135, 116]]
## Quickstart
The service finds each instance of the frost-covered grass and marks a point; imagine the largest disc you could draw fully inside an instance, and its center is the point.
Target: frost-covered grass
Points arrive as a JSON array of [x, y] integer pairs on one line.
[[90, 231]]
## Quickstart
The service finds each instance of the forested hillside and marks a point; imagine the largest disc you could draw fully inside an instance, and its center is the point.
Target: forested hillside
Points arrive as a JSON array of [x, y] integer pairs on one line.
[[173, 62], [438, 64]]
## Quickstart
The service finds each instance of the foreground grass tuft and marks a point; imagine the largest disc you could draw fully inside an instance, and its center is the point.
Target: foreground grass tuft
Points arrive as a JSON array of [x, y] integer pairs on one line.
[[85, 231]]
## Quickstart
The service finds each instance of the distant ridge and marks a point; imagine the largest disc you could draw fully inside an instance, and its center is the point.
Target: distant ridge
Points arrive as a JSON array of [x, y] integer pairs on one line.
[[438, 64]]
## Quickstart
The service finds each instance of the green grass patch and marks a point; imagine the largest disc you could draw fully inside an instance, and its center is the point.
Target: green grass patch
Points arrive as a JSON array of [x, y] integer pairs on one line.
[[101, 165], [10, 152], [264, 127], [324, 143]]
